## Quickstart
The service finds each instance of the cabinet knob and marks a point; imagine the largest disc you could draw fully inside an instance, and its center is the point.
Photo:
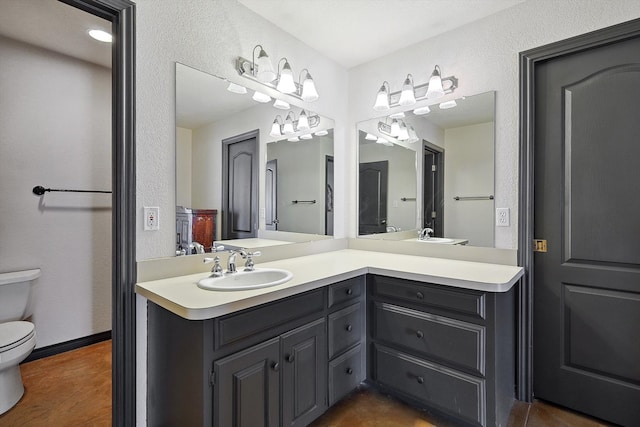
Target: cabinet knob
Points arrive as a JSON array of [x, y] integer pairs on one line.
[[420, 295], [419, 334], [349, 291], [348, 328], [275, 366], [291, 358], [349, 371], [420, 380]]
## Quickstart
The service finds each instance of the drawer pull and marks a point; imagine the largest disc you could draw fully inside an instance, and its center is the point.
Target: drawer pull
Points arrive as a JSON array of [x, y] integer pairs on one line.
[[349, 371], [419, 295], [349, 291], [348, 328], [291, 358], [420, 334], [420, 380], [275, 366]]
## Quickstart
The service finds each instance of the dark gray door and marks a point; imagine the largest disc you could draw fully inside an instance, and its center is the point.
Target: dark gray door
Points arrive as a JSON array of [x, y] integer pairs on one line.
[[433, 189], [328, 199], [304, 374], [587, 207], [240, 186], [271, 195], [248, 387], [373, 197]]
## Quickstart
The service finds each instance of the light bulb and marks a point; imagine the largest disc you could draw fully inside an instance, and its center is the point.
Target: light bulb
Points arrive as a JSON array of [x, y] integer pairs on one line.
[[285, 79], [303, 121], [261, 97], [382, 99], [265, 67], [435, 89], [309, 92], [407, 96]]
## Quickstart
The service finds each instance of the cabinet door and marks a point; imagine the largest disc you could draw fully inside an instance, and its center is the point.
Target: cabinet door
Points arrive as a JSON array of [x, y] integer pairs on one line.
[[248, 387], [304, 374]]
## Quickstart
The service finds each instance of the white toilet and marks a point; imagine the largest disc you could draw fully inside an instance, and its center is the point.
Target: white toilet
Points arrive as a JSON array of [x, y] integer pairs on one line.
[[17, 338]]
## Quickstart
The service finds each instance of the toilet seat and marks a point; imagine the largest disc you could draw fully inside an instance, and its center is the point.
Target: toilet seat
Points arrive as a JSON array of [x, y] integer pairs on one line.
[[13, 334]]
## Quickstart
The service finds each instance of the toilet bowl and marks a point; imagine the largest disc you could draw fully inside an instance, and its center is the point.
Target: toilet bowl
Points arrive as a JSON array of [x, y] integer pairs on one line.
[[17, 337]]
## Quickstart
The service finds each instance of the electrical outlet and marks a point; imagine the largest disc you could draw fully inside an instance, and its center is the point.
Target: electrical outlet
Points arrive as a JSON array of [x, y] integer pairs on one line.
[[151, 218], [395, 203], [502, 217]]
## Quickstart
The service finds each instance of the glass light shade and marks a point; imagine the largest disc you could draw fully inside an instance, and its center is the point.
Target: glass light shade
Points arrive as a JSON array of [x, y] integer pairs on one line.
[[287, 129], [306, 136], [275, 129], [285, 79], [265, 67], [448, 104], [309, 92], [261, 97], [281, 105], [294, 139], [413, 136], [407, 96], [403, 135], [236, 88], [381, 140], [303, 121], [371, 137], [435, 89], [101, 36], [398, 115], [382, 99], [321, 133], [422, 110], [395, 128]]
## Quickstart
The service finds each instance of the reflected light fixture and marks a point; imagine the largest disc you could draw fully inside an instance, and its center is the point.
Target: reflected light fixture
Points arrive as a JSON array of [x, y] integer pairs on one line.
[[263, 68], [281, 105], [309, 92], [322, 133], [422, 110], [407, 96], [101, 36], [398, 115], [306, 136], [294, 139], [382, 99], [261, 97], [236, 88], [395, 128], [370, 137], [303, 121], [276, 127], [448, 104], [403, 134], [410, 93], [285, 77], [287, 129]]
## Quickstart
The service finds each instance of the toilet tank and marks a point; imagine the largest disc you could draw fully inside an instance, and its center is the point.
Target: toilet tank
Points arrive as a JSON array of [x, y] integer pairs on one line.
[[15, 294]]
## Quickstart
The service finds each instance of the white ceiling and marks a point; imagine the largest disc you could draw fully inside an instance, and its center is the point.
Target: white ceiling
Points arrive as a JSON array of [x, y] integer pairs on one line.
[[55, 26], [352, 32]]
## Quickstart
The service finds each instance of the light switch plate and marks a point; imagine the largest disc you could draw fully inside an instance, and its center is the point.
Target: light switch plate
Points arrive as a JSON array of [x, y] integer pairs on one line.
[[151, 218], [502, 217]]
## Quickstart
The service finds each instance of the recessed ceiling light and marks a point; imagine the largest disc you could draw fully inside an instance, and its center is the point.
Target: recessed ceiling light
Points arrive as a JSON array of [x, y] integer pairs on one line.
[[100, 35]]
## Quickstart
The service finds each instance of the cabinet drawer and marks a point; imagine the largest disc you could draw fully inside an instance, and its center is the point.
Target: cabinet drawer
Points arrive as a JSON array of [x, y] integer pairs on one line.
[[345, 329], [346, 290], [460, 300], [451, 341], [345, 373], [461, 395], [267, 317]]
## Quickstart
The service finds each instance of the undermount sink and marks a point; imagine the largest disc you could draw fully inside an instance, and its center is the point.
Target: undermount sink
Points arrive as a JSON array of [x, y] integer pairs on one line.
[[437, 240], [243, 280]]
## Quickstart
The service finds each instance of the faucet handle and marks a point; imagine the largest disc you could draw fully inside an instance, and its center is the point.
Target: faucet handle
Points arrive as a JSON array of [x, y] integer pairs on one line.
[[249, 264], [217, 268], [218, 248]]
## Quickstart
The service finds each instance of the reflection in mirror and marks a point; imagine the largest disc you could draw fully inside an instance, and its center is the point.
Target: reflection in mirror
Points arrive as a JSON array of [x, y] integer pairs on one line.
[[447, 162], [223, 188]]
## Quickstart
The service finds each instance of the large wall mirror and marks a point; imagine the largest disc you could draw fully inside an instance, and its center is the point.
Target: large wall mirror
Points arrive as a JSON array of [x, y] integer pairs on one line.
[[441, 176], [236, 182]]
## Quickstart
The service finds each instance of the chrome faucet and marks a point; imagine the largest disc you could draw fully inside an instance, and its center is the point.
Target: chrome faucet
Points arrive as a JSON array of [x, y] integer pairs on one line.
[[425, 234], [231, 263], [195, 247]]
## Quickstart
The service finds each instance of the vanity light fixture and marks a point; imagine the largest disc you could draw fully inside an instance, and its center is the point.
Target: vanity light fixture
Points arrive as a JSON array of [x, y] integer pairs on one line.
[[290, 125], [407, 96], [287, 129], [276, 127], [261, 70], [370, 137], [321, 133], [236, 88], [398, 115], [281, 105], [437, 87], [309, 92], [422, 110], [101, 36], [382, 99], [406, 132], [261, 97], [448, 104]]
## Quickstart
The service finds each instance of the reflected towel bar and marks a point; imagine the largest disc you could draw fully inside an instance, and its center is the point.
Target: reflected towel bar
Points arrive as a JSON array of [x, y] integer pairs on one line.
[[408, 199], [473, 198], [39, 190], [295, 202]]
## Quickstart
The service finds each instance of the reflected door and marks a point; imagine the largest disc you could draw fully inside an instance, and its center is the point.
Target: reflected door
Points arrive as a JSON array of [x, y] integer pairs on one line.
[[240, 187], [587, 207], [433, 185], [271, 195], [374, 181]]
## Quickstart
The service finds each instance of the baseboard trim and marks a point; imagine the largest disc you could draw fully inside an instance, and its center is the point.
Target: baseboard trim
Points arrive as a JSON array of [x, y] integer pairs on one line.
[[52, 350]]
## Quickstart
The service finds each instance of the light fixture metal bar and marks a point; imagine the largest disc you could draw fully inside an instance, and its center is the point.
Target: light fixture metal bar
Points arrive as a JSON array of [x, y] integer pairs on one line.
[[249, 70], [421, 90]]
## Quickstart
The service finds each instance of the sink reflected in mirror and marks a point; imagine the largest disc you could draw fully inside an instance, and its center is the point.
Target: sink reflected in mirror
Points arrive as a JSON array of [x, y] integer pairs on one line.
[[245, 280]]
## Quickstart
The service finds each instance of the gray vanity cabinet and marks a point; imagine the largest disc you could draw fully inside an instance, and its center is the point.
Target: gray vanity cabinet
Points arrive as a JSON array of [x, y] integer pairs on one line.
[[442, 348]]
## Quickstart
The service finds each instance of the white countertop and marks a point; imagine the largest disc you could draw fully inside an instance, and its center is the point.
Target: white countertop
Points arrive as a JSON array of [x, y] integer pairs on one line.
[[251, 243], [183, 297], [455, 241]]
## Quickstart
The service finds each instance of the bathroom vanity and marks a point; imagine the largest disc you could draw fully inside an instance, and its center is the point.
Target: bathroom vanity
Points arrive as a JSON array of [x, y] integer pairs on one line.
[[436, 333]]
